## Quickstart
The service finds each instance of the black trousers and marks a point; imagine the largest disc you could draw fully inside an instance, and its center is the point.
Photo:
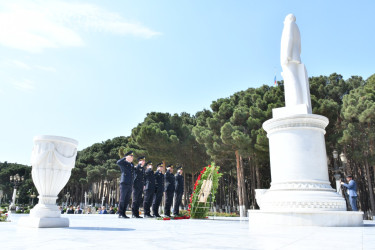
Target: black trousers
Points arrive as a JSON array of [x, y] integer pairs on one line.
[[177, 203], [125, 193], [168, 202], [157, 197], [137, 199], [147, 201]]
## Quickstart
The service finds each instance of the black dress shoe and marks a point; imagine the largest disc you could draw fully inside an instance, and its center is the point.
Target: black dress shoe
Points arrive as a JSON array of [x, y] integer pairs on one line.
[[157, 216], [123, 216], [136, 216], [148, 216]]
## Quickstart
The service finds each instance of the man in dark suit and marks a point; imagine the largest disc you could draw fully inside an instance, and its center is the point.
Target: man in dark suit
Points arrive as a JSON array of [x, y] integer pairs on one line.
[[149, 189], [179, 191], [78, 210], [139, 174], [126, 181], [70, 210], [169, 190], [159, 190], [352, 191]]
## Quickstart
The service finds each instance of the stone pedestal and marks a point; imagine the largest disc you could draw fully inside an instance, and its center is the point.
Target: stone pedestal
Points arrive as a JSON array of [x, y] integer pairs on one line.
[[52, 160], [300, 192]]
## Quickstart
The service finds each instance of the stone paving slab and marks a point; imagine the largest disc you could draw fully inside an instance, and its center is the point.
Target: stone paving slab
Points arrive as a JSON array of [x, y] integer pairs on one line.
[[107, 231]]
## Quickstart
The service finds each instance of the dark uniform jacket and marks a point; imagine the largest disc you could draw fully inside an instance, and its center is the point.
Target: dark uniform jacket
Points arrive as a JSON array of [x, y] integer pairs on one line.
[[127, 169], [169, 182], [149, 180], [179, 183], [159, 181], [139, 175]]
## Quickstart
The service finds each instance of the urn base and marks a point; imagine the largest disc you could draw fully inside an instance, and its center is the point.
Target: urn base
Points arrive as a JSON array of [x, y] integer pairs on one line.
[[43, 222]]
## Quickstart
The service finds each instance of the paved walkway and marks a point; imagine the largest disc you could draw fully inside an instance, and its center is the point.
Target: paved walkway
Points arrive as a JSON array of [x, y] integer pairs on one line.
[[109, 232]]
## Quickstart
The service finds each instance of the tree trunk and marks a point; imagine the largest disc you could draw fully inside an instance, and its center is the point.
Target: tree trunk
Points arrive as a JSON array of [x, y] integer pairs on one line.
[[253, 180], [240, 185], [370, 189], [257, 175], [185, 198], [192, 182], [243, 186]]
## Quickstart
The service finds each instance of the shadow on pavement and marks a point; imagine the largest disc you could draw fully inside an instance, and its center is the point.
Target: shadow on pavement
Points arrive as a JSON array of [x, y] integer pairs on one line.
[[101, 228]]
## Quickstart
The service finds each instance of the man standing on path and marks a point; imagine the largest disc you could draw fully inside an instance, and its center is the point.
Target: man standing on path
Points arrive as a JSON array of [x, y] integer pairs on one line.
[[179, 191], [149, 189], [139, 174], [159, 190], [169, 190], [352, 191], [126, 181]]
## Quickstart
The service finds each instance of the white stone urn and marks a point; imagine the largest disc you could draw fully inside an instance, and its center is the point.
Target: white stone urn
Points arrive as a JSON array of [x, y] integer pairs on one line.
[[52, 160]]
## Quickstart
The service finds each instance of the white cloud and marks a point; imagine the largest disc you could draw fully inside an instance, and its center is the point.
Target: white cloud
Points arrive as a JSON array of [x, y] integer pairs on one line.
[[25, 85], [21, 65], [50, 69], [36, 25]]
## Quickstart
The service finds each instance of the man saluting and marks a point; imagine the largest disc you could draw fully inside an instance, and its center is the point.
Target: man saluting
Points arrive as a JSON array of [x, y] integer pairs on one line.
[[169, 189], [139, 174], [159, 190], [149, 189], [126, 182], [179, 190]]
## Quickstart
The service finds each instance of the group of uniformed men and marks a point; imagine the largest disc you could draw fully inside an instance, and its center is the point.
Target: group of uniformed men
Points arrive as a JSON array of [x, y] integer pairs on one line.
[[141, 179]]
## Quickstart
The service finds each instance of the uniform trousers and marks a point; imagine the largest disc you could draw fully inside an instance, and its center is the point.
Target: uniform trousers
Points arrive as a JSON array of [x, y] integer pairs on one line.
[[158, 196], [147, 201], [125, 193], [137, 199], [177, 203], [168, 202]]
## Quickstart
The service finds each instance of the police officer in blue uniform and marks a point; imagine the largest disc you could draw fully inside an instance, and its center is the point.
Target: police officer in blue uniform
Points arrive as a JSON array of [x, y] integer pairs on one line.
[[126, 181], [169, 190], [159, 190], [138, 181], [149, 189], [179, 191]]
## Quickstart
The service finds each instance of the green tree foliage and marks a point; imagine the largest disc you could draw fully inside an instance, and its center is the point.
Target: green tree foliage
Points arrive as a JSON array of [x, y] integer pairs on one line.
[[11, 169], [168, 138], [95, 165]]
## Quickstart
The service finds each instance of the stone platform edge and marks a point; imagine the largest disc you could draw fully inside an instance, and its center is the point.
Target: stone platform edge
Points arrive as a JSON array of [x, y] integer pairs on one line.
[[306, 218]]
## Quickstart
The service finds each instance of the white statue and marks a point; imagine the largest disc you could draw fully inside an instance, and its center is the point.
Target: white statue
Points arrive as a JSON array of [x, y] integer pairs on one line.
[[296, 83]]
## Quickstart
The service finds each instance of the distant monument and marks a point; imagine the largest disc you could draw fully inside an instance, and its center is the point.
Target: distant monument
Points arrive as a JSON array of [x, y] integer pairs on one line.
[[300, 192]]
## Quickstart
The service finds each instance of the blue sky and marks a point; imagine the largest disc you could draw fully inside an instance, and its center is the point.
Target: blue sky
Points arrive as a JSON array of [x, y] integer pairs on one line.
[[92, 70]]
